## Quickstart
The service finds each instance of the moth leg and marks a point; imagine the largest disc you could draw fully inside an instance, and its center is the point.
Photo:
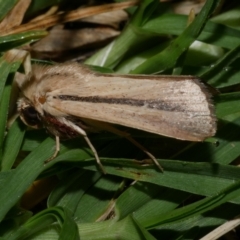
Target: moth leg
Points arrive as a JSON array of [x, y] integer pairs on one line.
[[57, 149], [110, 128], [81, 132], [84, 134], [94, 152], [137, 144]]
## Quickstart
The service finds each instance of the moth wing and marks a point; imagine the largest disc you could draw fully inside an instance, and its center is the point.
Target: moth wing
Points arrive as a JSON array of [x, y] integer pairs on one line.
[[178, 107]]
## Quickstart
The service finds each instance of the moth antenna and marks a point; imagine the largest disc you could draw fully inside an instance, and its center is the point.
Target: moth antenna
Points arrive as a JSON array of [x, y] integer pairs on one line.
[[95, 153], [57, 149]]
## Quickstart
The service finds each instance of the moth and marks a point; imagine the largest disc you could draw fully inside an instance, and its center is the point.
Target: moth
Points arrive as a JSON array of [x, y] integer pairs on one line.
[[70, 100]]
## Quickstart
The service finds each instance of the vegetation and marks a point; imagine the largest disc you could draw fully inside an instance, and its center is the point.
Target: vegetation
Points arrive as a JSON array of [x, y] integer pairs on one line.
[[200, 187]]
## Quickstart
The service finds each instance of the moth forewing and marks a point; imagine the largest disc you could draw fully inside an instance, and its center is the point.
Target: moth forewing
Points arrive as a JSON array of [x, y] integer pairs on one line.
[[65, 95], [178, 106]]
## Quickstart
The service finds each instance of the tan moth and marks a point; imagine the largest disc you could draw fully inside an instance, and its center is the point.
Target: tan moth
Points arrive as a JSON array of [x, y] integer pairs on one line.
[[70, 100]]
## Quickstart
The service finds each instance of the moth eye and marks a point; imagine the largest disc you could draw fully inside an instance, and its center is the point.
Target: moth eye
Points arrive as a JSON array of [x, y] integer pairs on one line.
[[31, 117]]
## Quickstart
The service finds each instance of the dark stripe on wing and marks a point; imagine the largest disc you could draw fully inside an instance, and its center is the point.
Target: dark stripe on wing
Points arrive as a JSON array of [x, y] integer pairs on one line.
[[152, 104]]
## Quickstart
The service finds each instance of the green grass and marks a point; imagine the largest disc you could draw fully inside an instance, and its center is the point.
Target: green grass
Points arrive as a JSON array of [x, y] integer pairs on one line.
[[198, 190]]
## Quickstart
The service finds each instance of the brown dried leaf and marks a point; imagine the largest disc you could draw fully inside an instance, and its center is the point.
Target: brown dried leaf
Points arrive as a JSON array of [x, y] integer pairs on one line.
[[15, 55], [52, 20], [49, 12], [184, 7], [109, 18], [61, 40], [15, 16]]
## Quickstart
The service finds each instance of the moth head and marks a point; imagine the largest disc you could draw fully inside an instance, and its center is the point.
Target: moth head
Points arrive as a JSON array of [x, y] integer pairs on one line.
[[29, 114]]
